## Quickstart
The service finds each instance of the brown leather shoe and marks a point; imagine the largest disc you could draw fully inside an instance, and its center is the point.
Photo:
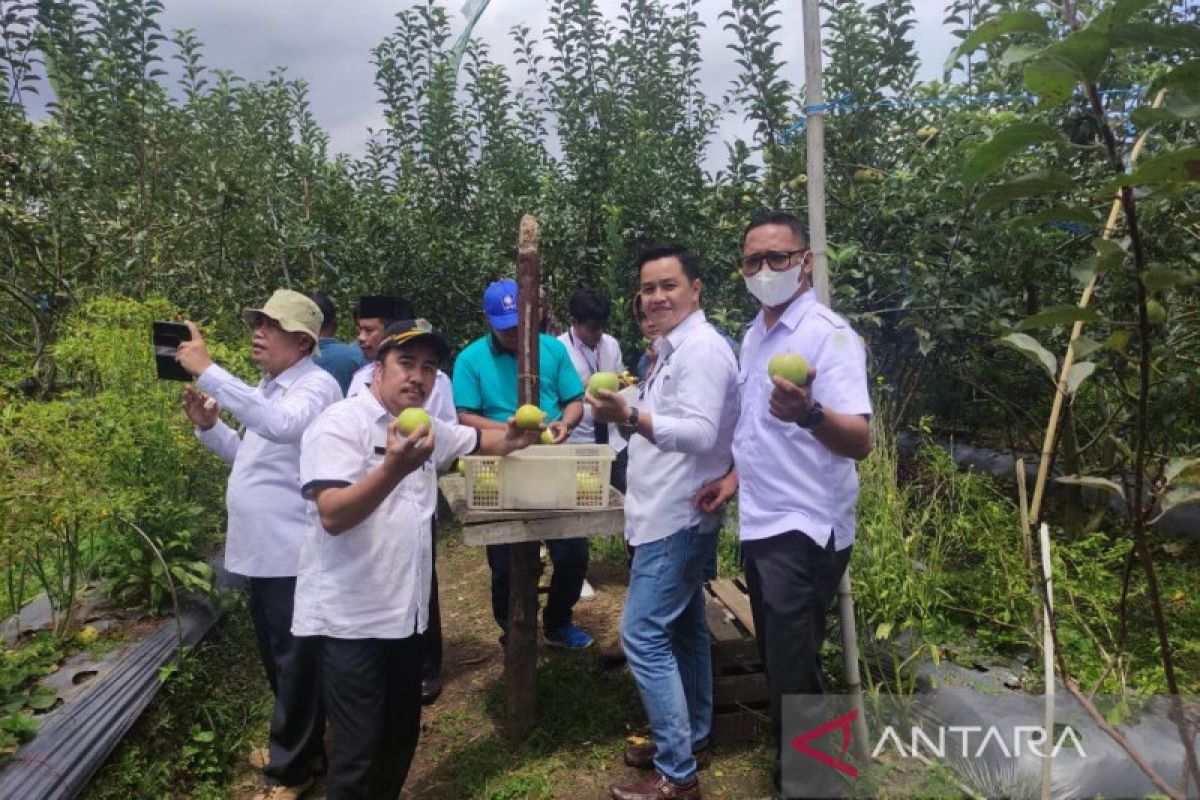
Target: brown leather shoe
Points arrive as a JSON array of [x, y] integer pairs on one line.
[[655, 787], [639, 753]]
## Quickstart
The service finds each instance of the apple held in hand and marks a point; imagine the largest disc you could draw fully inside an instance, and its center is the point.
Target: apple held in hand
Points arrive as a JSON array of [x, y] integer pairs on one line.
[[412, 418], [547, 437], [529, 417], [608, 381], [789, 366]]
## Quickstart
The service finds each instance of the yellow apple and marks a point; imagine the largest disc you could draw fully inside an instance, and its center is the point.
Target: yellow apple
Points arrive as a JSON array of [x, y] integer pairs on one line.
[[789, 366], [412, 418], [529, 417]]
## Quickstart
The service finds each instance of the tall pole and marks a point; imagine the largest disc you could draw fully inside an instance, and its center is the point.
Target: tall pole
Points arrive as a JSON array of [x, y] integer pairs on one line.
[[814, 98]]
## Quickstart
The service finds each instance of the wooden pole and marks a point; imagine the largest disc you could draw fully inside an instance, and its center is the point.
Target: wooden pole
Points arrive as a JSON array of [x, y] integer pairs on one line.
[[814, 97], [520, 652]]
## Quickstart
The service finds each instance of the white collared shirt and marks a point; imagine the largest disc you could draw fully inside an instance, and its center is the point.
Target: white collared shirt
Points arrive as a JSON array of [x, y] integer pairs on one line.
[[440, 402], [266, 512], [587, 362], [371, 581], [692, 398], [789, 481]]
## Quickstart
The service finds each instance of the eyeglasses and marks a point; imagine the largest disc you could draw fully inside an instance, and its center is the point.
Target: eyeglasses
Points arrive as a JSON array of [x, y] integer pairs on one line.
[[777, 262]]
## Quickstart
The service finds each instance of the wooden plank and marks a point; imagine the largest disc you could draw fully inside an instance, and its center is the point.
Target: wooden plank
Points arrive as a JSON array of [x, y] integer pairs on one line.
[[740, 726], [736, 657], [564, 526], [454, 489], [734, 690], [719, 626], [471, 516], [736, 601]]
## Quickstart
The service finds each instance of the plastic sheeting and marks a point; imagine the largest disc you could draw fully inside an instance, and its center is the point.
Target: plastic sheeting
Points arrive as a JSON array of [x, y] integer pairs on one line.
[[102, 699]]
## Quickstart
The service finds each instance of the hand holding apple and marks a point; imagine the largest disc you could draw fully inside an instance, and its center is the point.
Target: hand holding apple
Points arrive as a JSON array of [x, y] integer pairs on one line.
[[405, 454], [559, 430], [192, 354], [608, 406]]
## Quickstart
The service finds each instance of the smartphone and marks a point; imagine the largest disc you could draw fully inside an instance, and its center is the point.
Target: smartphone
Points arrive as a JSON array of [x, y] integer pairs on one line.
[[167, 336]]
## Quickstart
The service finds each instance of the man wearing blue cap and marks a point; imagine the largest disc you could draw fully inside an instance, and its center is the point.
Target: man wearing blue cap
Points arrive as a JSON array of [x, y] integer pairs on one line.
[[485, 393]]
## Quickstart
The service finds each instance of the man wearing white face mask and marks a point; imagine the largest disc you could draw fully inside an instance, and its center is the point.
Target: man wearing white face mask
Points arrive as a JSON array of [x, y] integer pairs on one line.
[[794, 452]]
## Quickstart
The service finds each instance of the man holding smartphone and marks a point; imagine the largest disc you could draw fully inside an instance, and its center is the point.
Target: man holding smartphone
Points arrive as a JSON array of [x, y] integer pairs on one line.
[[267, 514]]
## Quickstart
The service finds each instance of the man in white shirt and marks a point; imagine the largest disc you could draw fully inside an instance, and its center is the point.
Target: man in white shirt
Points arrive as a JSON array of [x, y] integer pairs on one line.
[[795, 450], [680, 436], [439, 403], [592, 350], [267, 516], [365, 567]]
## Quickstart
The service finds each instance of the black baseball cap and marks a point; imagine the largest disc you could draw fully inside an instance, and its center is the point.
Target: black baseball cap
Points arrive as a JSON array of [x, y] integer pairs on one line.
[[406, 331]]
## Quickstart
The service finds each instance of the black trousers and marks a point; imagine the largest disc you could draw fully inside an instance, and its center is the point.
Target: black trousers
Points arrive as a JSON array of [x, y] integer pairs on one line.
[[570, 559], [431, 639], [792, 582], [373, 696], [293, 666]]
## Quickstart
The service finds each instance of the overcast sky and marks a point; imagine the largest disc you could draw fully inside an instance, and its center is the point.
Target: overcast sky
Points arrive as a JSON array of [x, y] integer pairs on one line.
[[328, 44]]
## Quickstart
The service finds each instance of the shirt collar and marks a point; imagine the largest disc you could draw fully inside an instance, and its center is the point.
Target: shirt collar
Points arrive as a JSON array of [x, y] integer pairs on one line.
[[375, 408], [794, 313], [285, 379], [680, 332]]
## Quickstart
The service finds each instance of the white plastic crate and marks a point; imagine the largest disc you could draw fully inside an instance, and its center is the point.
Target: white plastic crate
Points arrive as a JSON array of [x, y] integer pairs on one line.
[[551, 476]]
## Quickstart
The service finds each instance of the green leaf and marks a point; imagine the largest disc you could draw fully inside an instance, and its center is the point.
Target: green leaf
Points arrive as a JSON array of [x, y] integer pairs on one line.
[[1158, 279], [1080, 214], [1058, 315], [991, 155], [1029, 347], [1177, 106], [1109, 254], [1019, 53], [42, 700], [1185, 471], [1148, 34], [1117, 13], [1034, 185], [1094, 482], [1084, 347], [1077, 374], [1185, 77], [1176, 166], [883, 630], [1000, 25], [1050, 79]]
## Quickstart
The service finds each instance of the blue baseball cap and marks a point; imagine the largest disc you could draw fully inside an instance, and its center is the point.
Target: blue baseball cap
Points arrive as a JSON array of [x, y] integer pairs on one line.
[[500, 304]]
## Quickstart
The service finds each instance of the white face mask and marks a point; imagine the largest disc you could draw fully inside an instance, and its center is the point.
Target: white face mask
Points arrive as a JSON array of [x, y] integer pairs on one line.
[[774, 288]]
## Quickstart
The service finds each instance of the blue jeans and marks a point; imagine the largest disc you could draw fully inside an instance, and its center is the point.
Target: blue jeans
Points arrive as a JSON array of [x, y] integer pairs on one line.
[[666, 642]]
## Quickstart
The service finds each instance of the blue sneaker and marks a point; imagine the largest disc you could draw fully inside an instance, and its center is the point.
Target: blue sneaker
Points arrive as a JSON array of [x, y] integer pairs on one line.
[[569, 637]]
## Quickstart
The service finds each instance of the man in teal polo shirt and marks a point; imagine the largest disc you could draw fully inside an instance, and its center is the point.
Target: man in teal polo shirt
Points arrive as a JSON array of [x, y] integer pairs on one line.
[[485, 393]]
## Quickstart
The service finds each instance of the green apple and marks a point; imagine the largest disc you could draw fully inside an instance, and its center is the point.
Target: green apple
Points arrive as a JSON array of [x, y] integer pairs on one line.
[[412, 418], [485, 483], [529, 417], [460, 467], [1156, 313], [588, 482], [547, 437], [607, 381], [789, 366]]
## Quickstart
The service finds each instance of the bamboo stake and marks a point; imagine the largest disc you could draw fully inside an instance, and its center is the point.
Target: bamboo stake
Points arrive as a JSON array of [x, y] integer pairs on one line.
[[1048, 656], [1039, 487], [815, 147]]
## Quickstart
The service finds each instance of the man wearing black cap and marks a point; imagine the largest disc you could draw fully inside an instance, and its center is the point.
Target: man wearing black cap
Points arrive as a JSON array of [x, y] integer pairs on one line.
[[374, 315], [365, 565]]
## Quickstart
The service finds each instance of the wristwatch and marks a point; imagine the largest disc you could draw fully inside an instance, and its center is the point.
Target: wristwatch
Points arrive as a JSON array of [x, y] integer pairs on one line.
[[629, 427], [816, 415]]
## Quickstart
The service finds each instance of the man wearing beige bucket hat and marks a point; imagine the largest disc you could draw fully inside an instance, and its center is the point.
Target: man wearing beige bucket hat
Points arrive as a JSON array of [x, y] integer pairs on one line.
[[267, 514]]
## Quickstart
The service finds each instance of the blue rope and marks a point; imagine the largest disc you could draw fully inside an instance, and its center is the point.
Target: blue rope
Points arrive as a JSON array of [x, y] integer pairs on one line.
[[846, 103]]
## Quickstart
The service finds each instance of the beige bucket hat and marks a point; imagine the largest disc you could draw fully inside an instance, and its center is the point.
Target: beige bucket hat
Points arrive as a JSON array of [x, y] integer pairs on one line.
[[294, 312]]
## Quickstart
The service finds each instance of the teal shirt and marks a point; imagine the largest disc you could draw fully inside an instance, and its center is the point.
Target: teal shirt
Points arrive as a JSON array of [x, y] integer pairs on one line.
[[485, 379], [340, 360]]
